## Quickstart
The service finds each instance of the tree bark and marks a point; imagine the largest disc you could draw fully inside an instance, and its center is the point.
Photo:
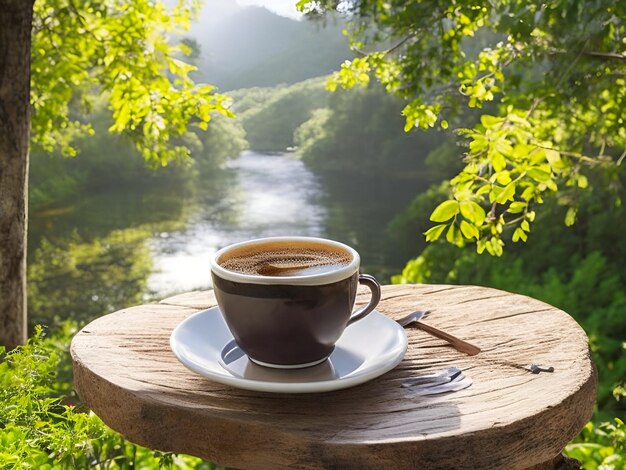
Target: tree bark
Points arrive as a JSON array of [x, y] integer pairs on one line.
[[15, 40]]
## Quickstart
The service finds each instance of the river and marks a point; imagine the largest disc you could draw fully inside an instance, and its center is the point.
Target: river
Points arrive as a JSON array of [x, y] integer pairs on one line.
[[111, 249], [270, 195]]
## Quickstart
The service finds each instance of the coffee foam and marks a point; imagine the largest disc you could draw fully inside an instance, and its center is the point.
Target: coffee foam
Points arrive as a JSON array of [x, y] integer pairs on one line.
[[285, 261]]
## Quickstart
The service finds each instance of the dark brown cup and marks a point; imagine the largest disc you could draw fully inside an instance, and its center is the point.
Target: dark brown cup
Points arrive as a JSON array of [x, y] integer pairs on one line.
[[290, 321]]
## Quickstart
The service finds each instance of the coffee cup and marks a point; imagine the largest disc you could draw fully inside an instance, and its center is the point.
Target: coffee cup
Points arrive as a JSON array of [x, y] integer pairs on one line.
[[287, 300]]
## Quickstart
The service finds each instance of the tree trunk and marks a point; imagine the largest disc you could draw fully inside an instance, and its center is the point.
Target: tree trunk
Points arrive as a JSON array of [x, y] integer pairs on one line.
[[15, 38]]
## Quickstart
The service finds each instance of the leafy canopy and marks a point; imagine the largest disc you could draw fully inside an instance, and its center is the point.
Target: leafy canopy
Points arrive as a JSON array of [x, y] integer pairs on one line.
[[124, 50], [553, 72]]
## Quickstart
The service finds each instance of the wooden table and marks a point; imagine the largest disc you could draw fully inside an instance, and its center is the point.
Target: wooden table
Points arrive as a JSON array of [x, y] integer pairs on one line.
[[509, 418]]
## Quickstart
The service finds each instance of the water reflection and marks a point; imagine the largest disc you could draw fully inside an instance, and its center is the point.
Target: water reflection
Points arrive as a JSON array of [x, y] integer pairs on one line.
[[82, 279], [95, 215], [269, 195], [359, 210]]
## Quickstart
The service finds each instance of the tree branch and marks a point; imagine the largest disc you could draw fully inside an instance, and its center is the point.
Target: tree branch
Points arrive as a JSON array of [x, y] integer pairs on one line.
[[605, 55], [399, 44], [595, 54], [583, 158]]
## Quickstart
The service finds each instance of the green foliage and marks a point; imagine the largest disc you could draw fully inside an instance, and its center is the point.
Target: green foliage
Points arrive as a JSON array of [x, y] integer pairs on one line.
[[555, 70], [120, 50], [600, 447], [414, 219], [111, 161], [270, 116], [510, 190], [41, 427], [313, 131], [78, 279], [50, 180], [225, 138], [360, 133], [107, 160], [443, 162], [619, 392]]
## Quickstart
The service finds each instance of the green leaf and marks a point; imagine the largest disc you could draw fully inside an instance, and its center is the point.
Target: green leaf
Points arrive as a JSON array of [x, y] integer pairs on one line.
[[478, 143], [435, 232], [503, 146], [445, 211], [484, 189], [469, 231], [503, 177], [551, 185], [508, 193], [528, 193], [538, 175], [498, 161], [517, 207], [555, 160], [489, 121], [496, 246], [300, 4], [473, 212], [570, 216], [495, 192], [454, 235], [451, 234], [537, 155], [525, 225], [518, 235], [582, 181]]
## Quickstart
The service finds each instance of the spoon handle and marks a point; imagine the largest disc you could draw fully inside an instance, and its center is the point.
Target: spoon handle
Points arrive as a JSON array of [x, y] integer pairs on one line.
[[457, 343]]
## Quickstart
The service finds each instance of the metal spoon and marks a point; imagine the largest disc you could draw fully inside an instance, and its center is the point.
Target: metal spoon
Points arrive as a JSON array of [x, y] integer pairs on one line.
[[447, 380], [434, 378], [413, 319], [459, 383], [276, 267]]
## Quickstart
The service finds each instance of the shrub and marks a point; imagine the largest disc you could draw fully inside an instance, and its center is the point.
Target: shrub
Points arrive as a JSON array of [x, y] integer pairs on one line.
[[42, 426]]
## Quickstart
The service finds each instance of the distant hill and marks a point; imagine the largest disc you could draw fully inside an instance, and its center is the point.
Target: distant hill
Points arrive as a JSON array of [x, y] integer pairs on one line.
[[248, 47]]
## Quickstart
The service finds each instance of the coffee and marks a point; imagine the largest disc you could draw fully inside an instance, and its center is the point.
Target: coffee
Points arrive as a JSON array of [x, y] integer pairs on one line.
[[287, 300], [272, 259]]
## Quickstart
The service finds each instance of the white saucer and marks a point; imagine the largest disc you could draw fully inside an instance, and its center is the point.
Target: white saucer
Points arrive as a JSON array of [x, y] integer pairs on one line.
[[366, 350]]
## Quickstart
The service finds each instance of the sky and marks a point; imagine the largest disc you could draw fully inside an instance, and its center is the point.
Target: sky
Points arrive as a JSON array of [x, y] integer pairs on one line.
[[216, 10], [280, 7]]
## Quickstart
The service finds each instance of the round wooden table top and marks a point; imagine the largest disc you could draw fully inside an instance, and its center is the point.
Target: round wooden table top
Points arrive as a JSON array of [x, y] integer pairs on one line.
[[125, 371]]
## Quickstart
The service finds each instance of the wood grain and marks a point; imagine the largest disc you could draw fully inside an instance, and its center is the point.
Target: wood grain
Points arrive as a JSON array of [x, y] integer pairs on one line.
[[509, 418]]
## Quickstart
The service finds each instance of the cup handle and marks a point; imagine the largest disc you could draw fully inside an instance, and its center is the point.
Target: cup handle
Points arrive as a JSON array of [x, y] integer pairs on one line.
[[374, 286]]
